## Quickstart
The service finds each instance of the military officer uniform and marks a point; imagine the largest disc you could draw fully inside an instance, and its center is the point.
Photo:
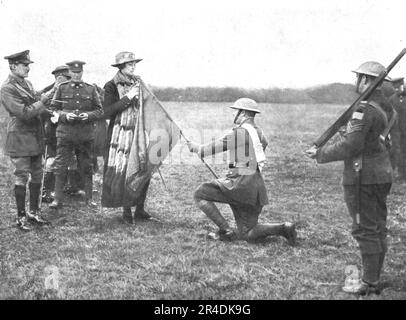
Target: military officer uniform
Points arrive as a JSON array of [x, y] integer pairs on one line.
[[75, 135], [25, 137], [243, 187], [367, 177]]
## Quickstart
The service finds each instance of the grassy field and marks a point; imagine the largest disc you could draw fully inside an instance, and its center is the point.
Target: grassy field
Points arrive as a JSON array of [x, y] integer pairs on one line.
[[97, 256]]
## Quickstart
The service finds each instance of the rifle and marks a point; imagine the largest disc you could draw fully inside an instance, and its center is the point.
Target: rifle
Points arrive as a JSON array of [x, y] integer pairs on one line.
[[43, 178], [345, 117]]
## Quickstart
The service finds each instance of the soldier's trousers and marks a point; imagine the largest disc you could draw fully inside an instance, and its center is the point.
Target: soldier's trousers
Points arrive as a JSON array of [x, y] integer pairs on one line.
[[26, 167], [83, 149], [371, 231], [64, 150], [246, 216]]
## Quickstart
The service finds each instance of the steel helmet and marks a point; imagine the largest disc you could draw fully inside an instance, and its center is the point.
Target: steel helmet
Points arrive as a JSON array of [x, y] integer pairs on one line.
[[245, 104], [371, 68]]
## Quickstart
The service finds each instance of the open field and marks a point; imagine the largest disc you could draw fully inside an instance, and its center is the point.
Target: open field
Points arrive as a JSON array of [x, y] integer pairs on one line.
[[97, 256]]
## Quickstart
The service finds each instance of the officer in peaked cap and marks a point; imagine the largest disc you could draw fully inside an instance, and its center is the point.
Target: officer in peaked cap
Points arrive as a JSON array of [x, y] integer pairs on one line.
[[20, 57], [76, 66], [78, 105], [24, 142], [243, 188]]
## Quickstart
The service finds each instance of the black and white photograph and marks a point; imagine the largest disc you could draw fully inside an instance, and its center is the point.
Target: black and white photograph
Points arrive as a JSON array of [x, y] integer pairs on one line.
[[205, 155]]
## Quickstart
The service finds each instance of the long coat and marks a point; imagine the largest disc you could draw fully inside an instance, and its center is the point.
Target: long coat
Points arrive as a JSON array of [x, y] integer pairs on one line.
[[113, 106], [24, 132]]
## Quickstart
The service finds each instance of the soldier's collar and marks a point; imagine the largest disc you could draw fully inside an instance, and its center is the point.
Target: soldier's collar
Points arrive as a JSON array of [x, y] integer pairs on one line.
[[247, 119], [18, 79], [76, 83]]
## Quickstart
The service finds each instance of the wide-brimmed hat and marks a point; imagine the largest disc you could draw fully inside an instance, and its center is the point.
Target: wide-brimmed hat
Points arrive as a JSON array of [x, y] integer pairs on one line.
[[124, 57], [245, 104], [20, 57]]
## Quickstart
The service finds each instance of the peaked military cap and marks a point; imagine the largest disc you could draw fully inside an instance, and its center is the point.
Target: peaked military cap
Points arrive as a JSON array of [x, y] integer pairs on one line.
[[124, 57], [61, 69], [20, 57], [245, 104], [76, 65]]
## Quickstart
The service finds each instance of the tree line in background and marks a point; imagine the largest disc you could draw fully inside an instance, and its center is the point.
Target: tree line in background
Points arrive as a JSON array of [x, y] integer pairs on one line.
[[335, 93]]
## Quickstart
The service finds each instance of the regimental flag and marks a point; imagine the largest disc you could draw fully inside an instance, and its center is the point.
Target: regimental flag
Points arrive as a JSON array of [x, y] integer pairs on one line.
[[155, 135]]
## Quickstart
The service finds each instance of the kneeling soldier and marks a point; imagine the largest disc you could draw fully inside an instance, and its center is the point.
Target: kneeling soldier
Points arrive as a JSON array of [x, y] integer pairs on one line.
[[243, 188]]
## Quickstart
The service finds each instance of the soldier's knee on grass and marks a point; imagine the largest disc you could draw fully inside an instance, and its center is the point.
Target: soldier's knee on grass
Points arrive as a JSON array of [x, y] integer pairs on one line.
[[197, 196]]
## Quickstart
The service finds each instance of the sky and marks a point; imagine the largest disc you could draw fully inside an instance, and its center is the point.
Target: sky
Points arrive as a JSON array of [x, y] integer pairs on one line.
[[250, 44]]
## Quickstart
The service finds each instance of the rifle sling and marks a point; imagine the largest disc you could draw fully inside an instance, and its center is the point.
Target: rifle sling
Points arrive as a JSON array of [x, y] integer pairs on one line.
[[388, 124]]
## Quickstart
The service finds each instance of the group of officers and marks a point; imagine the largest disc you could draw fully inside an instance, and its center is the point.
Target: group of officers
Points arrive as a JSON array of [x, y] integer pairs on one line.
[[71, 107]]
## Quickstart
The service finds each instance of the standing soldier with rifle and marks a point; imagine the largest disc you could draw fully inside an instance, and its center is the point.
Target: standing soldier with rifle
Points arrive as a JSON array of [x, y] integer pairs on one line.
[[25, 136], [367, 169]]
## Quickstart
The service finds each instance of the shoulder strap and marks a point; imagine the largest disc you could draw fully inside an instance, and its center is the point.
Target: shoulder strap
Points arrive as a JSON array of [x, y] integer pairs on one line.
[[21, 89], [381, 111], [388, 124]]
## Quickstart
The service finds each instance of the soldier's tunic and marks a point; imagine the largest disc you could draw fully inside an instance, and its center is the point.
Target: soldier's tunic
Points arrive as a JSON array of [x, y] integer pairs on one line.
[[399, 104], [243, 187], [24, 142], [362, 138], [77, 135]]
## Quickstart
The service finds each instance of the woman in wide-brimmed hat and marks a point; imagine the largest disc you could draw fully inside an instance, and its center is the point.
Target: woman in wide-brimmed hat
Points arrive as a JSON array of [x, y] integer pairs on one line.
[[121, 101]]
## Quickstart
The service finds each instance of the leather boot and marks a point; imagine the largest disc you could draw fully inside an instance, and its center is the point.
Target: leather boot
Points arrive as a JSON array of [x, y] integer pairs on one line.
[[289, 232], [384, 245], [21, 220], [127, 215], [49, 185], [261, 231], [370, 267], [33, 214], [140, 213], [213, 213], [59, 186], [88, 186], [363, 288], [74, 182], [381, 261]]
